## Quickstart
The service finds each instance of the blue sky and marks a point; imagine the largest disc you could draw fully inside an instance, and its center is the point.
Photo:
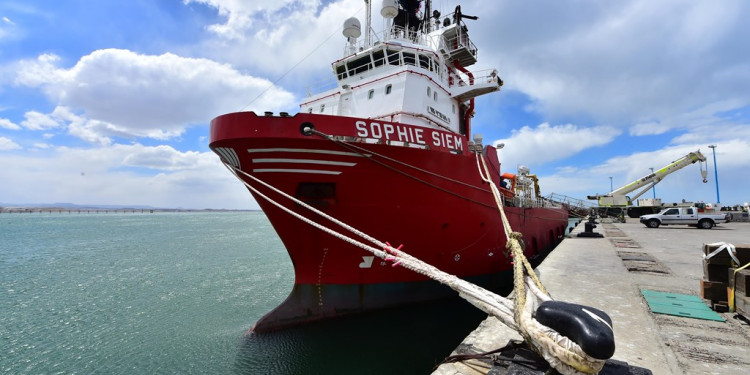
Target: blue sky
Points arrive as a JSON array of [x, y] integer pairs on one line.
[[108, 102]]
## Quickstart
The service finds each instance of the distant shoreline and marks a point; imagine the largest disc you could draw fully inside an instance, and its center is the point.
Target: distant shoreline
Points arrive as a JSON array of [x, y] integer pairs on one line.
[[103, 210]]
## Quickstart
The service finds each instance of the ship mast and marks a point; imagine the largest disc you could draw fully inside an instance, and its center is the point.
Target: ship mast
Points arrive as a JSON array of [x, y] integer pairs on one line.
[[368, 22]]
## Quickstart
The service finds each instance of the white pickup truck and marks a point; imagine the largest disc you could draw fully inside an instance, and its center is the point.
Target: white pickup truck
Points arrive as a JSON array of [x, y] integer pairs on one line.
[[685, 216]]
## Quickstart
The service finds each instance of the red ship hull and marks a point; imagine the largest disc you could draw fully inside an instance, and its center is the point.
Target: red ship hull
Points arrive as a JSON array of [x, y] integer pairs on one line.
[[398, 183]]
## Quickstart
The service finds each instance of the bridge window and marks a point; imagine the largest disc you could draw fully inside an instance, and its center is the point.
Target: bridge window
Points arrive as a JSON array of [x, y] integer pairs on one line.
[[388, 89], [429, 91], [370, 94], [378, 57], [359, 65], [392, 57], [409, 58], [424, 62]]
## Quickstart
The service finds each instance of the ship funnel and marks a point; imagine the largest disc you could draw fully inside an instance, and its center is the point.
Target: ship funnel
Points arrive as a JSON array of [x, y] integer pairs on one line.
[[352, 28], [389, 9]]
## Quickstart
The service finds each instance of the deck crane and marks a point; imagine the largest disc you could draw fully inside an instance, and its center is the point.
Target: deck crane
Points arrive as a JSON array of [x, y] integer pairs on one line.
[[618, 198]]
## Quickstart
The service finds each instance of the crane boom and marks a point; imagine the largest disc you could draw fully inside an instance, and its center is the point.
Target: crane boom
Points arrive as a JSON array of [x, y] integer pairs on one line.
[[618, 196]]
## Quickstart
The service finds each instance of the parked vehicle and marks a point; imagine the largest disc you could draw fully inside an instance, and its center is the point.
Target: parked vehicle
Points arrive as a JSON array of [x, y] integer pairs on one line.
[[684, 216]]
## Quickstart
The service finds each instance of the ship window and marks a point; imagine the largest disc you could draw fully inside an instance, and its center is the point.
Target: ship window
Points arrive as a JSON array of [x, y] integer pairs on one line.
[[424, 62], [322, 108], [359, 65], [429, 91], [341, 71], [453, 109], [370, 94], [388, 89], [434, 95], [409, 58], [309, 110], [392, 57], [378, 57]]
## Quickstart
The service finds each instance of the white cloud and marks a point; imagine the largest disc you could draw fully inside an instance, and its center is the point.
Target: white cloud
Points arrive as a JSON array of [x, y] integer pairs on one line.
[[634, 62], [7, 144], [113, 175], [7, 124], [6, 27], [649, 128], [120, 92], [39, 121], [533, 146], [276, 36], [240, 15]]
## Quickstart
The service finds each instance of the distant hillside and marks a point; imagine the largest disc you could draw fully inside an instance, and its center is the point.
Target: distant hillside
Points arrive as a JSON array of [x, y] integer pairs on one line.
[[73, 206]]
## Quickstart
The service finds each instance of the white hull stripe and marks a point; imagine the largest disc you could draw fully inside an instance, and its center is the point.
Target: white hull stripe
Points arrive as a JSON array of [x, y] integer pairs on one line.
[[305, 151], [283, 170], [303, 161], [228, 155]]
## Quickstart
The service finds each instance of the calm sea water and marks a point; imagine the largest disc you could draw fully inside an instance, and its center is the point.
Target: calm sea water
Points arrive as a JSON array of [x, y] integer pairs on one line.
[[175, 293]]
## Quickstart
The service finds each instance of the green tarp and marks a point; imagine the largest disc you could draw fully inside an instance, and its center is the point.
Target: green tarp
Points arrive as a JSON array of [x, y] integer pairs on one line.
[[685, 305]]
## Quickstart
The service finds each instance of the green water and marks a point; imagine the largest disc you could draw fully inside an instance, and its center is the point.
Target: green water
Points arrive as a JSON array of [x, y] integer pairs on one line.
[[176, 293]]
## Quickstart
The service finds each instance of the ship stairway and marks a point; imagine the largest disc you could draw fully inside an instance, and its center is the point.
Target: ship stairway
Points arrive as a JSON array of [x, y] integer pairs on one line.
[[581, 208], [576, 207]]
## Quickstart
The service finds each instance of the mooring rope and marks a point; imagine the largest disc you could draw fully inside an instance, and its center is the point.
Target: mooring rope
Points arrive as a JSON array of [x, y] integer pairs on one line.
[[480, 297], [560, 352]]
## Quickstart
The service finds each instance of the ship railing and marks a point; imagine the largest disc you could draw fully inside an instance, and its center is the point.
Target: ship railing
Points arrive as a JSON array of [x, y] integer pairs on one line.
[[456, 45], [392, 33], [480, 76], [527, 201]]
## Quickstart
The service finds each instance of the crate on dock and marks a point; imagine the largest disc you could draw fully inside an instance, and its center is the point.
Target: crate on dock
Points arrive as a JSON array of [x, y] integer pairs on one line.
[[742, 305], [715, 272], [714, 291], [723, 258], [739, 281]]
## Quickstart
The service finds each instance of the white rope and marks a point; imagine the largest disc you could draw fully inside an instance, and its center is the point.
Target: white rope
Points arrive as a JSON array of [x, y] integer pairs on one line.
[[562, 353], [723, 246], [485, 300]]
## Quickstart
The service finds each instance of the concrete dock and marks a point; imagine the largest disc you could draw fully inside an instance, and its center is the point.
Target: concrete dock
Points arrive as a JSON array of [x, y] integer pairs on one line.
[[592, 272]]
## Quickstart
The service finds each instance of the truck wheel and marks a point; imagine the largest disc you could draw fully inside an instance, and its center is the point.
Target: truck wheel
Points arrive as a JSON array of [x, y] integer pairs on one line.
[[705, 224], [653, 223]]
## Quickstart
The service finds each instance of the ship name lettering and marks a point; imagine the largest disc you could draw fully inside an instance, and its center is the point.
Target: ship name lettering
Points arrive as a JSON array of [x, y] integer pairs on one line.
[[410, 134], [447, 140]]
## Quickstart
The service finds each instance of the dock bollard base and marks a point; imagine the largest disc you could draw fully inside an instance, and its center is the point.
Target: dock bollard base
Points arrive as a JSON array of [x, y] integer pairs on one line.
[[526, 362]]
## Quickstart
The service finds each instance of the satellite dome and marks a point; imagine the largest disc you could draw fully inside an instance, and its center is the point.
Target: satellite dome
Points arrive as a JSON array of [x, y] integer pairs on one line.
[[352, 28], [389, 9]]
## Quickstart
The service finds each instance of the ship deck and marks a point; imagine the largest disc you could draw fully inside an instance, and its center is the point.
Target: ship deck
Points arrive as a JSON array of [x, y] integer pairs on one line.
[[663, 344]]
